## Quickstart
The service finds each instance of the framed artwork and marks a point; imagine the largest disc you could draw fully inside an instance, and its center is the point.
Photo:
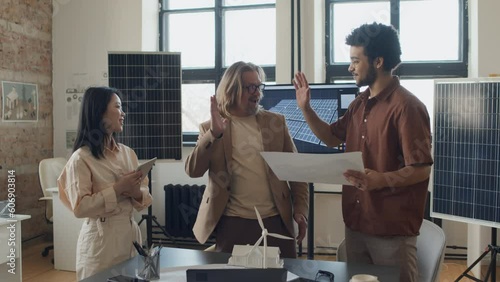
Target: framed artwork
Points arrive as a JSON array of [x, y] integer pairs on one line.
[[20, 102], [70, 139]]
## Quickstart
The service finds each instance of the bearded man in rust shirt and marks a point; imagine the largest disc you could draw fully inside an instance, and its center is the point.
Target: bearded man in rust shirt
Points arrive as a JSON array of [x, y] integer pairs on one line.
[[384, 207]]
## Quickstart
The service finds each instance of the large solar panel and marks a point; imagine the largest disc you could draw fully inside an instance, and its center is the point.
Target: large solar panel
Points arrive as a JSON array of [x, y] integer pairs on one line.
[[294, 126], [466, 178], [330, 101], [151, 87]]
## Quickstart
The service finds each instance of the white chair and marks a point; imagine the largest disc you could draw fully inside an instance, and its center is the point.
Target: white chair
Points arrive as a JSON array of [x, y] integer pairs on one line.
[[431, 244], [48, 171], [341, 252]]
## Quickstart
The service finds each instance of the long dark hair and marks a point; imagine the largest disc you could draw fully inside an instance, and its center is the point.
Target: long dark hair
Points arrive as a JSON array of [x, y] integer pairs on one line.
[[91, 130]]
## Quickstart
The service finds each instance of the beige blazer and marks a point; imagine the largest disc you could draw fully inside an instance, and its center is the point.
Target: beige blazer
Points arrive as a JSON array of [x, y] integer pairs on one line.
[[214, 155]]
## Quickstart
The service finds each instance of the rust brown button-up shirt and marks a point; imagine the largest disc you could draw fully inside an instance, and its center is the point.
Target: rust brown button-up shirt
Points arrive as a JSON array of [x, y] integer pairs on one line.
[[392, 130]]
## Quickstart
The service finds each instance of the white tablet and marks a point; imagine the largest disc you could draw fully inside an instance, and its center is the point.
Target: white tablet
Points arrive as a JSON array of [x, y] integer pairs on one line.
[[146, 166]]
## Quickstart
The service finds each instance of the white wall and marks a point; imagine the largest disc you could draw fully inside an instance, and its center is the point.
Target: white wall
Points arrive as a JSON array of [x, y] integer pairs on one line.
[[484, 60], [150, 28], [83, 33], [484, 38], [283, 40], [312, 41]]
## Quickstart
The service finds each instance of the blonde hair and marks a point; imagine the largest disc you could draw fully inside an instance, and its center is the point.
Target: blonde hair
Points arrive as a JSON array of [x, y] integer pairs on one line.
[[230, 87]]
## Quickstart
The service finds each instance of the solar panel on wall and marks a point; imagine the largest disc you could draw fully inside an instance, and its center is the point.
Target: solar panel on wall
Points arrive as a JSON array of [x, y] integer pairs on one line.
[[466, 144], [151, 87]]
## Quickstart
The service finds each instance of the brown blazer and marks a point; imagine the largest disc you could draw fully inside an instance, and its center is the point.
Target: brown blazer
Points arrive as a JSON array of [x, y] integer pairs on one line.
[[215, 155]]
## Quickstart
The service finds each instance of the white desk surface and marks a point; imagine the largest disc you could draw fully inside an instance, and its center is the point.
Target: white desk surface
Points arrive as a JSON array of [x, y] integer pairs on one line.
[[17, 217], [5, 249]]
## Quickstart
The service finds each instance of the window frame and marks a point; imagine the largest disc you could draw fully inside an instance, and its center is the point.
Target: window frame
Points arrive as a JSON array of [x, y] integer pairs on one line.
[[407, 70], [208, 75]]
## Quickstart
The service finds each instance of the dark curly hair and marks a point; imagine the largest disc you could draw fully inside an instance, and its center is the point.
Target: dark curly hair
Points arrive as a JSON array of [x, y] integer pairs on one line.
[[378, 40]]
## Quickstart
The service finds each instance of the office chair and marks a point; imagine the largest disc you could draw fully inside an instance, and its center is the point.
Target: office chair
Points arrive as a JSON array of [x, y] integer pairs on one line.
[[48, 171], [341, 252], [431, 244]]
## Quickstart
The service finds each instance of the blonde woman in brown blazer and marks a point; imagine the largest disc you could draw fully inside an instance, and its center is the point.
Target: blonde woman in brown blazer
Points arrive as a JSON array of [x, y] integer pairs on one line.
[[229, 147]]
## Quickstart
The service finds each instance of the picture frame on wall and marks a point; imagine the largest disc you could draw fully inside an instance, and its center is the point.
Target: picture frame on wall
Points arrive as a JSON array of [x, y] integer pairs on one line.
[[20, 102], [70, 138]]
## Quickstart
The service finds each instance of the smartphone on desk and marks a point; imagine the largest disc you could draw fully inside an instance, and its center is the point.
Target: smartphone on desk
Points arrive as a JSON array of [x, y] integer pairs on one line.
[[122, 278], [300, 279]]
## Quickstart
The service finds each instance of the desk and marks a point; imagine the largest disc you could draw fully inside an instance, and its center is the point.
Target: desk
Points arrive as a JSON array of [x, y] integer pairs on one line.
[[66, 230], [172, 257], [10, 229]]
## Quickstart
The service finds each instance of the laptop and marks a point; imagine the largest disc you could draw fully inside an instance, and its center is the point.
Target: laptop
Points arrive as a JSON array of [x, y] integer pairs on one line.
[[237, 275]]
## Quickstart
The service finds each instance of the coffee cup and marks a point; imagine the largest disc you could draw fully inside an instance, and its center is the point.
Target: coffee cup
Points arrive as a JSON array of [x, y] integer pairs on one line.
[[364, 278]]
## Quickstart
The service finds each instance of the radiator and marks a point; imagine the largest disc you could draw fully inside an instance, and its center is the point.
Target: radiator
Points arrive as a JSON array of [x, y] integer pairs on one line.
[[181, 208]]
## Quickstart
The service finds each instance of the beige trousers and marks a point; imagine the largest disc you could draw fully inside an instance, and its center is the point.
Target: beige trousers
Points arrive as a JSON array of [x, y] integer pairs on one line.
[[384, 250], [104, 242]]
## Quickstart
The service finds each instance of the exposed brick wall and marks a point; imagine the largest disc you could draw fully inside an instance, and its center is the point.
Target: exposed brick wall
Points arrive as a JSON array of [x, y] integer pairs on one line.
[[26, 56]]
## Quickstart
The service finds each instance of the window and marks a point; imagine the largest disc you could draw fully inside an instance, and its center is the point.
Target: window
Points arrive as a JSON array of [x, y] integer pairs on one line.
[[211, 35], [423, 89], [433, 34]]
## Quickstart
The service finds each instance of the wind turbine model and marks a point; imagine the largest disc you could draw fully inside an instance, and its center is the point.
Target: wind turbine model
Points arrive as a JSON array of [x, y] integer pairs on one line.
[[236, 259]]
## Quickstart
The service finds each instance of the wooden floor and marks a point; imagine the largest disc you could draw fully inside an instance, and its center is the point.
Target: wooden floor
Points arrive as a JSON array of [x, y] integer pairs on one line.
[[40, 269]]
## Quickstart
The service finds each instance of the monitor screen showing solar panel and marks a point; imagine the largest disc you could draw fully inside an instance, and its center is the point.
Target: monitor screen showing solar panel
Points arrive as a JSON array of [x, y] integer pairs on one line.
[[330, 101]]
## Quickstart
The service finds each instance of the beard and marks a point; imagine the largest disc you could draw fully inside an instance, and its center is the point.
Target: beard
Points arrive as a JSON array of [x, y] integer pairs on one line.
[[253, 110], [369, 78]]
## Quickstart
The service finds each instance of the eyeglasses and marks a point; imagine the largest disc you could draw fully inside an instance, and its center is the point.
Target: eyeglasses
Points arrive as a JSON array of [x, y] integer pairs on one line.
[[252, 88]]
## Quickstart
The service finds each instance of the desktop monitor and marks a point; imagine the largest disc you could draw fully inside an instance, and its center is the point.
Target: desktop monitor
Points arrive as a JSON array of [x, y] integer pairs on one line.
[[330, 101]]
